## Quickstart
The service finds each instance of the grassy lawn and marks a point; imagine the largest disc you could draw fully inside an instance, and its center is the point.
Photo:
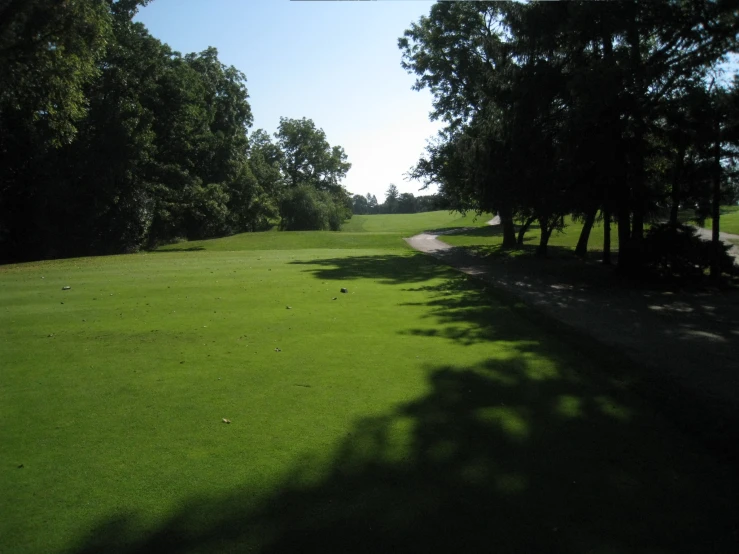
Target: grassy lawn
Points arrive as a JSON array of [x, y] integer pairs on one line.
[[408, 225], [487, 240], [729, 222], [376, 231], [417, 412]]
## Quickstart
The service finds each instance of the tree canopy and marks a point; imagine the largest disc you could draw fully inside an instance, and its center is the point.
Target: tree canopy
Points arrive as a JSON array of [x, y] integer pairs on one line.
[[557, 108], [110, 141]]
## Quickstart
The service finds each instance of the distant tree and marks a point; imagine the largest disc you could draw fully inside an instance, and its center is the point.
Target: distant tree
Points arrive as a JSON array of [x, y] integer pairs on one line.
[[406, 203], [390, 206], [360, 206]]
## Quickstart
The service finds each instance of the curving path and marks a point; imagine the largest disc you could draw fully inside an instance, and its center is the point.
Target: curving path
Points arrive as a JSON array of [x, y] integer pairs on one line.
[[688, 339], [732, 241]]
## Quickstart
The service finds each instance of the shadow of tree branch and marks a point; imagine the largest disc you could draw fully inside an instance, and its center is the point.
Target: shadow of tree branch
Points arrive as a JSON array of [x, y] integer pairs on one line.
[[540, 448], [495, 458]]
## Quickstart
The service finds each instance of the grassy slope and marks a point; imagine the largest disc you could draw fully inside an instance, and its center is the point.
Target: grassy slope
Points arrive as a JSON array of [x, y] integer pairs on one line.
[[418, 411], [362, 231], [729, 221]]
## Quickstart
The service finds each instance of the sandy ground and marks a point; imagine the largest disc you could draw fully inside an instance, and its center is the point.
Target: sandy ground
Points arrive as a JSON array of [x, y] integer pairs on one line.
[[689, 339]]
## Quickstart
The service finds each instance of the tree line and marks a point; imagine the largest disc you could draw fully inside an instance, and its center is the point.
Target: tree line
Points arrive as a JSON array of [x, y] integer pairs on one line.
[[610, 111], [110, 141], [398, 203]]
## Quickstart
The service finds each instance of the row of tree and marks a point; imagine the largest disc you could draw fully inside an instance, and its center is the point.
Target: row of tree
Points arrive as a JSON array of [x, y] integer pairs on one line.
[[612, 110], [110, 141], [398, 203]]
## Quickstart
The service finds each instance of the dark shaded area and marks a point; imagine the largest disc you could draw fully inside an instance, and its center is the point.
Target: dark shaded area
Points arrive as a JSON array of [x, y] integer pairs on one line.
[[389, 269], [499, 461], [171, 249], [514, 454], [486, 231], [677, 348]]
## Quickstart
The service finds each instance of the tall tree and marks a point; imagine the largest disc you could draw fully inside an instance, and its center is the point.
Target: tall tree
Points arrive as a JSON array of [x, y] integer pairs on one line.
[[308, 158], [550, 108]]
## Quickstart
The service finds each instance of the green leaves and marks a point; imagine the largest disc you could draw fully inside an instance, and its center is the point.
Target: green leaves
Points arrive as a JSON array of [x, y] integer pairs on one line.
[[48, 54], [558, 107], [308, 158]]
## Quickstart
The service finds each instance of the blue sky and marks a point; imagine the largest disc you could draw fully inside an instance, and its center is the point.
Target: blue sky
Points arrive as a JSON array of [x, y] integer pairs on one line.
[[336, 63]]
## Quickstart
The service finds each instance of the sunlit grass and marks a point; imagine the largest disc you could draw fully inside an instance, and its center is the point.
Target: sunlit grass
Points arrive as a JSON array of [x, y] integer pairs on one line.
[[361, 231], [729, 222], [414, 403], [489, 240]]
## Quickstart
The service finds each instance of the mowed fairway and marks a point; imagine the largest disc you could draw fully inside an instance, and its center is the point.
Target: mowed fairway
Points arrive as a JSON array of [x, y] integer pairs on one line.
[[417, 412]]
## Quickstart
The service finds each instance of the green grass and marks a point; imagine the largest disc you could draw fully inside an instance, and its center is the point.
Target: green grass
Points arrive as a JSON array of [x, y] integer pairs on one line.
[[418, 411], [409, 225], [487, 240], [729, 222], [361, 231]]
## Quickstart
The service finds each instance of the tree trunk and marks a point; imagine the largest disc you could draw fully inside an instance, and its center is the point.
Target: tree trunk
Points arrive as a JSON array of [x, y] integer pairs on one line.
[[522, 231], [509, 230], [606, 236], [716, 208], [611, 122], [582, 243], [637, 223], [624, 235], [546, 232], [675, 193], [638, 185]]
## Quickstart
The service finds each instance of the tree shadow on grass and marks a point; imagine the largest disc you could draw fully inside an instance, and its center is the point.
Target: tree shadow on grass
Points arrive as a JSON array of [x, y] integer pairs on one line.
[[685, 345], [171, 249], [503, 456], [535, 449], [486, 231], [387, 269]]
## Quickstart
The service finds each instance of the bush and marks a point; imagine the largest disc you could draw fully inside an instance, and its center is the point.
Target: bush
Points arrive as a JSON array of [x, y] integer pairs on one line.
[[303, 209], [680, 252]]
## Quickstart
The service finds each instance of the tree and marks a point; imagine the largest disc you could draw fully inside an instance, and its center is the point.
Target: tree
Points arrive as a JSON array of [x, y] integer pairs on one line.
[[391, 199], [109, 140], [406, 203], [263, 184], [551, 108], [49, 54], [360, 205], [304, 208], [308, 158]]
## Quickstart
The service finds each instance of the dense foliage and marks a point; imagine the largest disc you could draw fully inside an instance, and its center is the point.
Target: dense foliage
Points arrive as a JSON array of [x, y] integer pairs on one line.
[[397, 203], [110, 141], [616, 110]]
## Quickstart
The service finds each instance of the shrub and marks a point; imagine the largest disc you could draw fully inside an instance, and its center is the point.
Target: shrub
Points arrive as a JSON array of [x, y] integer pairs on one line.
[[303, 208], [680, 252]]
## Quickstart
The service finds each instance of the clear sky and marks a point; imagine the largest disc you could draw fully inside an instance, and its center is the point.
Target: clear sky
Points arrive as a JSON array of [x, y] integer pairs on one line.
[[336, 63]]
